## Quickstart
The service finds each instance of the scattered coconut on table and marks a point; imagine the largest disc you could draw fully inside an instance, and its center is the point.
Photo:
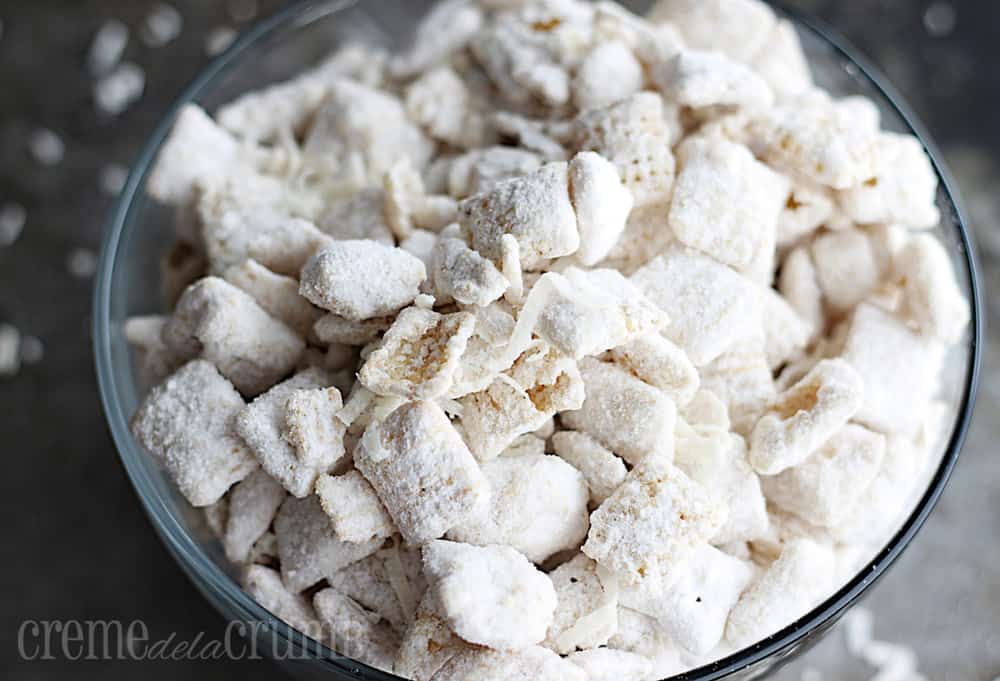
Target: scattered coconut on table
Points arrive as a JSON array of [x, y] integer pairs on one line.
[[108, 46], [219, 39], [13, 217], [162, 25], [119, 89], [47, 147], [10, 350]]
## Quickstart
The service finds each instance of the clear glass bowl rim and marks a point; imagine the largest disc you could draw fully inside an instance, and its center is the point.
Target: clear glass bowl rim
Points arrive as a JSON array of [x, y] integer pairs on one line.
[[207, 576]]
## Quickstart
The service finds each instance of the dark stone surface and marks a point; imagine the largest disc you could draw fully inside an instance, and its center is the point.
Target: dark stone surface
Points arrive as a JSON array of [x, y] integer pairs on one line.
[[77, 544]]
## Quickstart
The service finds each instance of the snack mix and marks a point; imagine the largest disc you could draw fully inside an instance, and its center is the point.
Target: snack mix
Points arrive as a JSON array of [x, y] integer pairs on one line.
[[566, 344]]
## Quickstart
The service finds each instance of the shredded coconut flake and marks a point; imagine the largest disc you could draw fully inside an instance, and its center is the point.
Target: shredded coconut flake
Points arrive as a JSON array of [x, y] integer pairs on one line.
[[219, 39], [10, 341], [112, 179], [108, 47], [32, 350], [12, 219], [162, 25], [121, 88], [47, 147], [81, 263]]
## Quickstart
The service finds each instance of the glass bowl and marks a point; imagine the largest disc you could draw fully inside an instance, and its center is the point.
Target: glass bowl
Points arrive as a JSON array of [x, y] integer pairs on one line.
[[140, 231]]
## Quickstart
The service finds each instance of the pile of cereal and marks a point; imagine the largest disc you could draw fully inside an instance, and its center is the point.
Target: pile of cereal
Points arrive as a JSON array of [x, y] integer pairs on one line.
[[567, 344]]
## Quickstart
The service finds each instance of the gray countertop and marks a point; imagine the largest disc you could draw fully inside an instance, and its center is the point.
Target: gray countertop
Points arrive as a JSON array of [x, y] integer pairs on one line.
[[78, 546]]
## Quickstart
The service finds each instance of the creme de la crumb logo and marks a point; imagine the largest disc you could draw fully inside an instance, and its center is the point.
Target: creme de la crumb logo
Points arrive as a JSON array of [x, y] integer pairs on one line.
[[92, 640]]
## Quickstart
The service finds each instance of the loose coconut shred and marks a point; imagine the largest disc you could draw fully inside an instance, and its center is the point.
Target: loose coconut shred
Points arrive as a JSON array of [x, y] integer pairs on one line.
[[569, 344]]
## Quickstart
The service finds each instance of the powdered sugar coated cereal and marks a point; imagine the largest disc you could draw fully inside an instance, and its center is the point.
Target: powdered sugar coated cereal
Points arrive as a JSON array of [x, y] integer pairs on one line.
[[263, 426], [422, 471], [586, 614], [187, 423], [601, 203], [630, 417], [725, 202], [337, 279], [648, 529], [491, 595], [538, 505], [308, 548], [802, 418], [602, 470], [355, 511], [419, 354], [536, 209], [710, 306], [253, 503], [633, 135], [793, 584]]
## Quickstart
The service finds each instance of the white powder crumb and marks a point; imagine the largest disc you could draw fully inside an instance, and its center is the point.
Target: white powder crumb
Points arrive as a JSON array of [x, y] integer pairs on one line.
[[108, 47], [242, 10], [112, 178], [32, 350], [119, 89], [10, 341], [811, 674], [81, 263], [891, 661], [858, 624], [940, 19], [162, 26], [218, 39], [47, 147], [12, 219]]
